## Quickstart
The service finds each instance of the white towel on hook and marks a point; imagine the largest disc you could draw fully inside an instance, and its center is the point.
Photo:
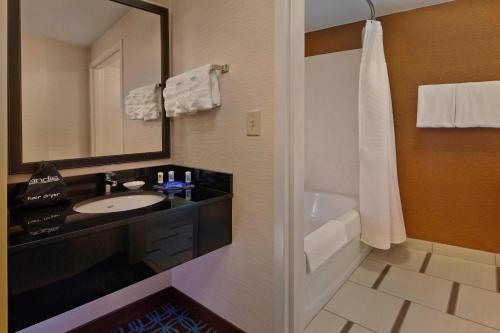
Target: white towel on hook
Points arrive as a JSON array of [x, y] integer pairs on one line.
[[193, 91], [436, 106], [143, 103], [478, 104]]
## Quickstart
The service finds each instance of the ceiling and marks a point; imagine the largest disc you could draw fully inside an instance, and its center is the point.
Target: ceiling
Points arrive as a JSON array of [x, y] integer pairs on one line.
[[79, 22], [321, 14]]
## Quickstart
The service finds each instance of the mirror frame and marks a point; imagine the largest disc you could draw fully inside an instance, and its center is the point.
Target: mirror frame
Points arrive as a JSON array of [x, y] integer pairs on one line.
[[16, 164]]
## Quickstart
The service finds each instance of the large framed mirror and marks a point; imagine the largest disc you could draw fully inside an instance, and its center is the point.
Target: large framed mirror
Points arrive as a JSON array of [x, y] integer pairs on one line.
[[85, 80]]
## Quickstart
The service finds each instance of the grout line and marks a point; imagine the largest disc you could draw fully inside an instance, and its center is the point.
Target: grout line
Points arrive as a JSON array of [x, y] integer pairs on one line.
[[452, 303], [427, 259], [347, 327], [401, 317], [498, 279], [421, 304], [358, 324], [381, 277], [438, 277]]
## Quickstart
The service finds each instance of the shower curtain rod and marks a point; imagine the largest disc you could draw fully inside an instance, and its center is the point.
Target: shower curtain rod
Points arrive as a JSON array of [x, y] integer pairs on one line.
[[372, 9]]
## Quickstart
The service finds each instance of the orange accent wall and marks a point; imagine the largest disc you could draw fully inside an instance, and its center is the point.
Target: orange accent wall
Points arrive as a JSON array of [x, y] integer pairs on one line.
[[449, 178]]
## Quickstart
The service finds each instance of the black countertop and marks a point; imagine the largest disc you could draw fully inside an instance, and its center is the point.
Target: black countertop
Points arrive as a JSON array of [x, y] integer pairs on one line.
[[31, 228], [60, 259]]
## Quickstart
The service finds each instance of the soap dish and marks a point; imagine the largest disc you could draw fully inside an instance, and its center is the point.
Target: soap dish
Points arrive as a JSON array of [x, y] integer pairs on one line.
[[133, 186]]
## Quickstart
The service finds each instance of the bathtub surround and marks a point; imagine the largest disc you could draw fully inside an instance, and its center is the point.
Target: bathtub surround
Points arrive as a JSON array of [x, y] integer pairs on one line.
[[379, 200], [321, 245], [448, 178], [332, 85], [322, 209]]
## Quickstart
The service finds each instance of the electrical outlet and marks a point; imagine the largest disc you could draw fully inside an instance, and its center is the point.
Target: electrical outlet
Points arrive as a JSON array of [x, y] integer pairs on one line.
[[253, 123]]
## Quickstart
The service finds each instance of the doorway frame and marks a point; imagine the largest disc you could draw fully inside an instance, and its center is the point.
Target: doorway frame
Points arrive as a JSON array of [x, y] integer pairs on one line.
[[3, 167], [94, 63], [289, 264]]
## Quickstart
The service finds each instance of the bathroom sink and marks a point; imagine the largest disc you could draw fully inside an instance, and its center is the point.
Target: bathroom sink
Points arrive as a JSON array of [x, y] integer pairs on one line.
[[118, 203]]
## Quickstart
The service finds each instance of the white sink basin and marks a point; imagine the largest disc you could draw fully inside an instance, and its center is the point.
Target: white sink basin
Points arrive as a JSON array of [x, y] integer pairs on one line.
[[113, 204]]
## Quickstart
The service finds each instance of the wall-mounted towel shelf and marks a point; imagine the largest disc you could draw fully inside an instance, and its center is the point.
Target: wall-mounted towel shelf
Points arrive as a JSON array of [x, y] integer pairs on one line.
[[222, 68]]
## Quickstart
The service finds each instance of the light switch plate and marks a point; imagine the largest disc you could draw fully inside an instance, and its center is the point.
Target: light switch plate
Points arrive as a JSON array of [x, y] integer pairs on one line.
[[253, 123]]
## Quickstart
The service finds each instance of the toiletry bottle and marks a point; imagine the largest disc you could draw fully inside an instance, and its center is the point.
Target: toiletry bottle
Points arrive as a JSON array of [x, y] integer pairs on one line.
[[171, 177], [160, 178]]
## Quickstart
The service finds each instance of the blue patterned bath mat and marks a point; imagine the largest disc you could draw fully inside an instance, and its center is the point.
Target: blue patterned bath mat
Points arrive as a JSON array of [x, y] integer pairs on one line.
[[168, 318]]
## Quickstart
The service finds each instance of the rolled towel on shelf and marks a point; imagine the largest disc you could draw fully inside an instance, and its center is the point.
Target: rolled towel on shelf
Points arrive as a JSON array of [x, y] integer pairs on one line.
[[143, 103], [478, 104], [436, 106], [193, 91]]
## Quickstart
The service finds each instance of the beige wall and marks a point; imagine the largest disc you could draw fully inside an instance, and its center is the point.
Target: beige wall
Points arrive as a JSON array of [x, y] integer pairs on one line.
[[141, 35], [55, 99], [331, 126], [237, 281]]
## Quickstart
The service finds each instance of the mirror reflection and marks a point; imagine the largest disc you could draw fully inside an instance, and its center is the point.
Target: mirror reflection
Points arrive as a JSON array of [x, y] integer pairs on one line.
[[90, 79]]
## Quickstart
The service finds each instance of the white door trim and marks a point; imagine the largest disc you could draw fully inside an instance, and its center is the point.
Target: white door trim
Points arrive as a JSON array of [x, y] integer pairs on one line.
[[115, 48], [289, 260]]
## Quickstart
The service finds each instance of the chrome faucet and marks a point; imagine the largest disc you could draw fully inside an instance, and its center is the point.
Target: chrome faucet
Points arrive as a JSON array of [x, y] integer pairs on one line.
[[109, 181]]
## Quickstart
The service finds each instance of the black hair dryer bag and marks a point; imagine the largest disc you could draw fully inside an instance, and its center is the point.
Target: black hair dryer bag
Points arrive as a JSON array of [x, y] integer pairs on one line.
[[46, 187]]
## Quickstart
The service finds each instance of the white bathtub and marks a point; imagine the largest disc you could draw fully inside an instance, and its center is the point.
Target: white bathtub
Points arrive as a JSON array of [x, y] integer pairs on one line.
[[322, 284]]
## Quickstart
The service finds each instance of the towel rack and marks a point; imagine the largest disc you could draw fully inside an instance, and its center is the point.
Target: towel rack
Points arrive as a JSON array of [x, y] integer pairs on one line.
[[222, 68]]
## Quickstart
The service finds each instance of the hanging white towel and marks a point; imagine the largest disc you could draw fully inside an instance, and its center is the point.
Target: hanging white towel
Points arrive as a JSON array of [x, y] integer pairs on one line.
[[436, 106], [193, 91], [478, 104], [143, 103], [323, 243], [380, 204]]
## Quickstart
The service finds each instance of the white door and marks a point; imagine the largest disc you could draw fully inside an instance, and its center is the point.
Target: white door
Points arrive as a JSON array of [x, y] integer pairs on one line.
[[107, 112]]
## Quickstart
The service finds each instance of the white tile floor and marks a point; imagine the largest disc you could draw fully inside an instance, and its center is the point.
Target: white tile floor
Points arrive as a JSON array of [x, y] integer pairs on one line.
[[407, 290]]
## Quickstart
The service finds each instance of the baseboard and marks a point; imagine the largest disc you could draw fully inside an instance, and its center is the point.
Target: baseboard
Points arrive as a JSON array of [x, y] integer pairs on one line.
[[482, 257], [137, 309]]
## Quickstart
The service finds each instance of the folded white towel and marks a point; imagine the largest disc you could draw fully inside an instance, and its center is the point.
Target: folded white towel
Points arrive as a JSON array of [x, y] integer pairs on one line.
[[478, 104], [143, 103], [436, 106], [323, 243], [193, 91]]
